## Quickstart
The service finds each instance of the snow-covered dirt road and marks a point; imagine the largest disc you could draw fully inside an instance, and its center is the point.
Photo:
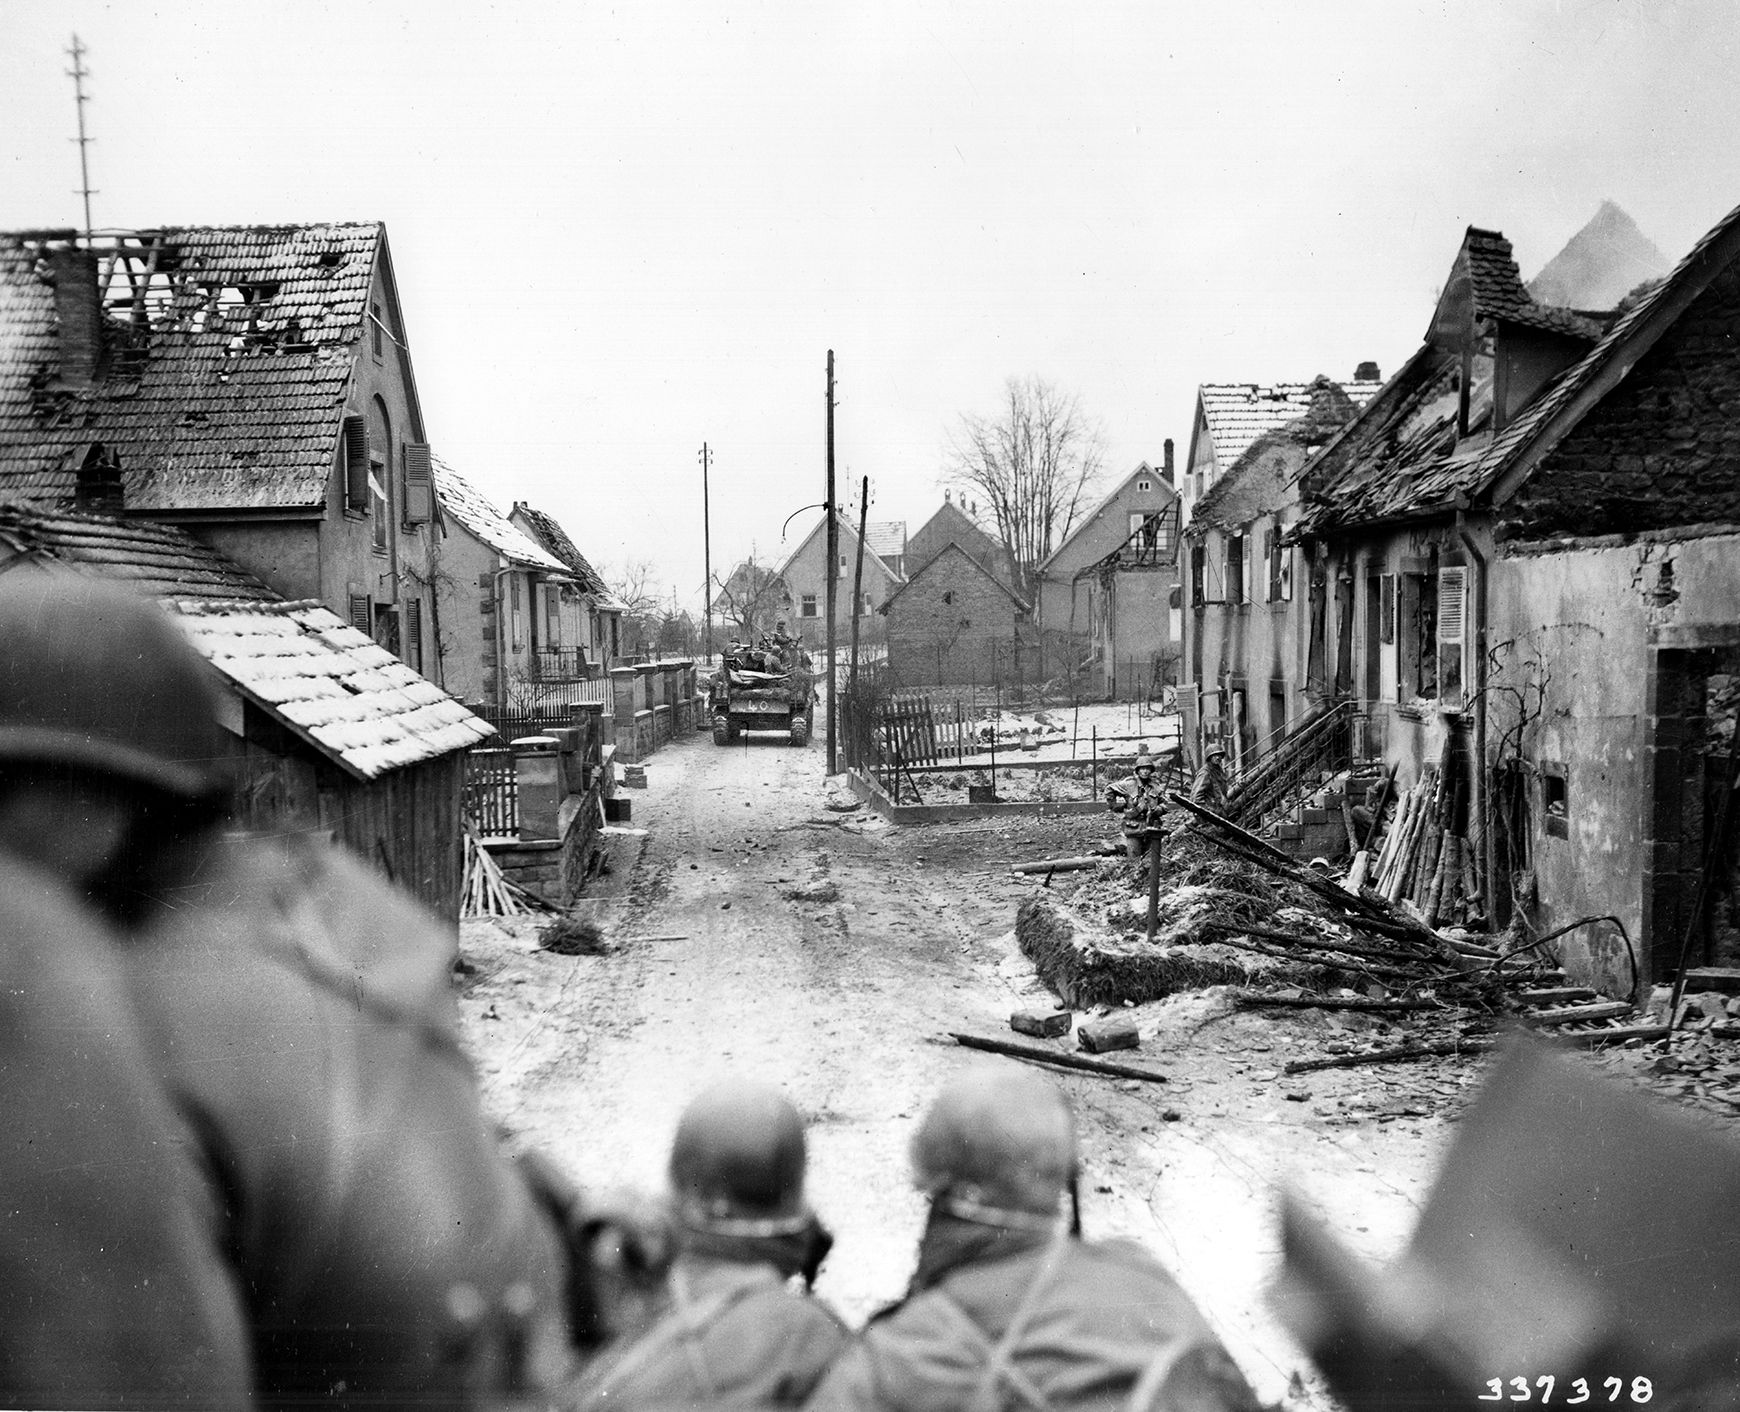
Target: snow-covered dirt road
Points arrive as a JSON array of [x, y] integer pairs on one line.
[[758, 932]]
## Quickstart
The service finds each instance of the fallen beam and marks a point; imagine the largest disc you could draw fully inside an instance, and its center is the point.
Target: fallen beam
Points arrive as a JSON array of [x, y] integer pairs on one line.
[[1390, 1056], [1570, 1014], [1059, 865], [1253, 998], [1060, 1058]]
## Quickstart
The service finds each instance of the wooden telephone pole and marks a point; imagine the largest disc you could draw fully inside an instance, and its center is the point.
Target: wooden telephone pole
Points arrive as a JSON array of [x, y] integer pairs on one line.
[[833, 569], [706, 555]]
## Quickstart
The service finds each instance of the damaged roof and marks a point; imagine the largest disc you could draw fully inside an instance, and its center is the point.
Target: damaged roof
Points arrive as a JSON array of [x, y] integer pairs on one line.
[[548, 532], [227, 353], [161, 560], [1400, 459], [329, 684], [1497, 290], [1237, 413], [1260, 480], [466, 504]]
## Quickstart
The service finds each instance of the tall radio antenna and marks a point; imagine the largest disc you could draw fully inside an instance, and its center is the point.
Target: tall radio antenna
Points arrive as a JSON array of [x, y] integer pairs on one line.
[[79, 73]]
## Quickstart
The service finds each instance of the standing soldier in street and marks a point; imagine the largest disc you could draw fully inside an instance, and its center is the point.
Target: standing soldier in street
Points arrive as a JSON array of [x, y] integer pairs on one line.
[[1140, 802], [737, 1333], [1210, 787], [1010, 1308], [297, 1013]]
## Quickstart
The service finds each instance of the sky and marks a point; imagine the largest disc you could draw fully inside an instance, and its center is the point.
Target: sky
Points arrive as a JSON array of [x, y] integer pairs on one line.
[[623, 231]]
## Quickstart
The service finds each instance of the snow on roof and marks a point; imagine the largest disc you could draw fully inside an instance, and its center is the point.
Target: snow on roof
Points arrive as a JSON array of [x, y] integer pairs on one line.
[[330, 684], [467, 505], [1238, 413], [884, 538]]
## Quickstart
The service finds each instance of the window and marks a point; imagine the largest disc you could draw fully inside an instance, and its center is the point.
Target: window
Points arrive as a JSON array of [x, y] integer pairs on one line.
[[413, 644], [362, 617], [1280, 581], [807, 606], [380, 493], [1235, 568], [948, 595], [516, 628], [552, 616], [1555, 799], [1452, 602], [1144, 485], [1196, 592], [387, 626], [1417, 627], [376, 342]]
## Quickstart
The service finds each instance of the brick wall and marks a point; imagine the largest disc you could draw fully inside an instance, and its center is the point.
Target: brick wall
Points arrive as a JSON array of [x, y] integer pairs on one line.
[[954, 623], [1660, 450]]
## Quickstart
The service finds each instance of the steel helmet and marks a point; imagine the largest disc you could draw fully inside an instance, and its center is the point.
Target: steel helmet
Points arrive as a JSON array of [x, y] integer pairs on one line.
[[738, 1160], [996, 1140], [97, 678]]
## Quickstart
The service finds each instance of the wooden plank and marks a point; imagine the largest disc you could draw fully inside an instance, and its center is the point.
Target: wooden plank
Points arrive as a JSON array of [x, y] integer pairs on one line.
[[1572, 1014], [1061, 1058]]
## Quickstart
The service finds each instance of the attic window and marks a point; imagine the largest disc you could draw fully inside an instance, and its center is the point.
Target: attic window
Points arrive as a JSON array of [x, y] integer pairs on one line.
[[948, 595], [1144, 485]]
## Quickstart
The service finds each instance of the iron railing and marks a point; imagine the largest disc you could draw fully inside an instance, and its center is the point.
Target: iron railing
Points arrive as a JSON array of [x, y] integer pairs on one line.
[[1319, 743]]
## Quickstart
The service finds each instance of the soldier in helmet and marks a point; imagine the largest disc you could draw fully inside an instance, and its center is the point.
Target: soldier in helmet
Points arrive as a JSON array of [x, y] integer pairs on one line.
[[1009, 1307], [1210, 787], [1138, 799], [737, 1332], [296, 1010]]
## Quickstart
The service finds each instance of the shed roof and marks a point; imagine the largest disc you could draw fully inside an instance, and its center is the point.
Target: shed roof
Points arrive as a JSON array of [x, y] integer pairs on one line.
[[329, 684], [467, 504], [1237, 413], [229, 352], [885, 538], [161, 560]]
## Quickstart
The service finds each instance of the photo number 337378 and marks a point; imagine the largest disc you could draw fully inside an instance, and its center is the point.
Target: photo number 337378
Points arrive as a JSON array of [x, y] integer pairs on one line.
[[1521, 1390]]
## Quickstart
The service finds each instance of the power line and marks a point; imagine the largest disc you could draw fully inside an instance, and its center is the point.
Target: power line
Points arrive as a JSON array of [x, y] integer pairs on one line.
[[79, 73]]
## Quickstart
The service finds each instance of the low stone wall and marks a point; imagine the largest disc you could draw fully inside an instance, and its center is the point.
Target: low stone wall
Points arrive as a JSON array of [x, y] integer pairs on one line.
[[534, 865], [650, 703]]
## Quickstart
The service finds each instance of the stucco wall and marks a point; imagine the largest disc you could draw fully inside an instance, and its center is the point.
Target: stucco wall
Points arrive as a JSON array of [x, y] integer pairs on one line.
[[805, 573], [1595, 618], [1097, 536]]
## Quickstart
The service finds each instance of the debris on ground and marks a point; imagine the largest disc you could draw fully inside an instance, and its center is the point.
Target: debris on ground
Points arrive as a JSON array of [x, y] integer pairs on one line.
[[569, 935], [485, 891], [1059, 1058]]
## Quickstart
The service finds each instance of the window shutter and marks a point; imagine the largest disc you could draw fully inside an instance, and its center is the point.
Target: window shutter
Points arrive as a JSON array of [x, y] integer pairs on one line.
[[356, 463], [1452, 598], [1286, 575], [414, 634], [1271, 578], [1387, 608], [419, 484], [360, 617]]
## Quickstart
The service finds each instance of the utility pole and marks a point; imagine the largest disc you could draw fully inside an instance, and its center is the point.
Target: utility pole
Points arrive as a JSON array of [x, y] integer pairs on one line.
[[706, 555], [833, 568], [79, 73], [858, 575]]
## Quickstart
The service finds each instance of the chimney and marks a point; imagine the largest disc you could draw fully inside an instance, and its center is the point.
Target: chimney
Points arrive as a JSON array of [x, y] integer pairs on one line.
[[1166, 470], [946, 497], [79, 312], [1367, 372]]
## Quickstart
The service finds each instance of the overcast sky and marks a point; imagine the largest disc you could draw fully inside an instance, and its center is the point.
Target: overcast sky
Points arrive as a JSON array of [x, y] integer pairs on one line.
[[621, 231]]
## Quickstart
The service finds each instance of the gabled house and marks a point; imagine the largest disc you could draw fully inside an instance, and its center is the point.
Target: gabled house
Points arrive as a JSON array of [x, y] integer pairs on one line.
[[1534, 538], [886, 539], [1106, 592], [954, 622], [1230, 416], [502, 602], [1244, 626], [805, 574], [251, 384], [328, 733], [593, 640], [957, 522]]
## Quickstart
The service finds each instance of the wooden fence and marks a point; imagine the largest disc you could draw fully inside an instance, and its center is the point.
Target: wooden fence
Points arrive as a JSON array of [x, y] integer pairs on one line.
[[492, 792]]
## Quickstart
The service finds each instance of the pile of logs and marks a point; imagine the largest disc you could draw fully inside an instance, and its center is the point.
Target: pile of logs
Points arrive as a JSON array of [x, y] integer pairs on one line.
[[486, 892], [1426, 858]]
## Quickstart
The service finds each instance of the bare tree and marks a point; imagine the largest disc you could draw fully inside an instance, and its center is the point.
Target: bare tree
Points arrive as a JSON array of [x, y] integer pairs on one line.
[[1035, 463], [751, 598], [636, 586]]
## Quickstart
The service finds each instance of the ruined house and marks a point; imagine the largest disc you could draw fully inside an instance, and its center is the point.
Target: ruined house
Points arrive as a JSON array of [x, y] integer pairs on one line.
[[595, 642], [1107, 593], [329, 735], [1530, 543], [1245, 625], [506, 605], [955, 623], [252, 385]]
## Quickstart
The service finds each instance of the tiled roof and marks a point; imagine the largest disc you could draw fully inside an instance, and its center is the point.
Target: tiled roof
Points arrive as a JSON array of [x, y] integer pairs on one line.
[[548, 532], [161, 560], [329, 683], [463, 501], [228, 355], [930, 566], [885, 538], [1238, 413]]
